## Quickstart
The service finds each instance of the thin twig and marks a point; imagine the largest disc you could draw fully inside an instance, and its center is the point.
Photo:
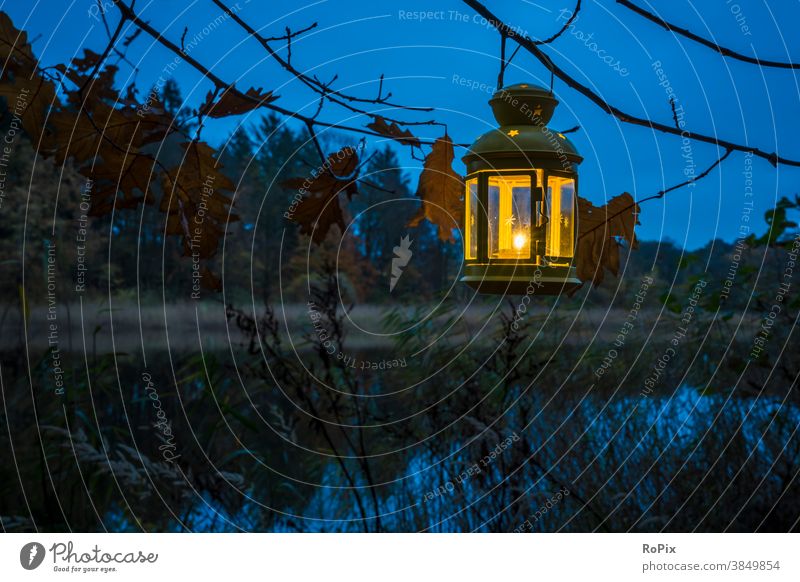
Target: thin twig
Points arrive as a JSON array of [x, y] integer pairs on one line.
[[102, 11], [338, 97], [288, 45], [661, 193], [674, 113], [291, 35], [724, 51], [563, 28], [313, 134], [109, 47], [130, 38], [773, 158], [380, 90], [218, 82]]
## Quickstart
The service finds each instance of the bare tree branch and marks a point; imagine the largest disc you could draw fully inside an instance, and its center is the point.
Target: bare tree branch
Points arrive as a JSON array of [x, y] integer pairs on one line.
[[724, 51], [773, 158], [220, 83], [691, 180], [563, 28], [324, 89], [662, 193]]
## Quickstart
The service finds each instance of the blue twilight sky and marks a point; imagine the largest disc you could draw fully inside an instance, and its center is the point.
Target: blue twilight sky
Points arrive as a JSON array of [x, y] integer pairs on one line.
[[449, 61]]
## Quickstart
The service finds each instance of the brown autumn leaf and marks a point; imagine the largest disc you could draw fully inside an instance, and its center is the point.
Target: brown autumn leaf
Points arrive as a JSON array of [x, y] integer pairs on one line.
[[15, 50], [84, 135], [93, 87], [441, 190], [30, 99], [109, 137], [121, 180], [105, 141], [230, 103], [99, 86], [320, 209], [393, 131], [87, 62], [195, 208], [598, 230], [28, 95], [208, 280]]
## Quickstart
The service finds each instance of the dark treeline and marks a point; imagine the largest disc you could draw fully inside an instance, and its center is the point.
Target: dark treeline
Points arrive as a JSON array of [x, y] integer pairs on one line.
[[468, 413]]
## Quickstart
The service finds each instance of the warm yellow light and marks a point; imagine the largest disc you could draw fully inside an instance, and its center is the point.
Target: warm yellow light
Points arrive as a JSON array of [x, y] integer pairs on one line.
[[520, 241]]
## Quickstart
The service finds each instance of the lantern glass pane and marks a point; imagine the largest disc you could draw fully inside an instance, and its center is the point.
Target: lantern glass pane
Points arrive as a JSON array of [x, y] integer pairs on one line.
[[509, 215], [471, 234], [561, 204]]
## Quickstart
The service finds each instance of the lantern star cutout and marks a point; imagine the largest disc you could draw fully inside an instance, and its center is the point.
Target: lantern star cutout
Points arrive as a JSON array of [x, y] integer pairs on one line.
[[513, 133]]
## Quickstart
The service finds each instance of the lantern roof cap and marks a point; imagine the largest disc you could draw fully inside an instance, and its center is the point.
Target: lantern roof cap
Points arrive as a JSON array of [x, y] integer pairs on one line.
[[523, 104], [522, 110]]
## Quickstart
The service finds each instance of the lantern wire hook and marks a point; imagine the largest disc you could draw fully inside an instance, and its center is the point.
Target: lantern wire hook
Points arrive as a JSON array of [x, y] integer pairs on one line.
[[551, 66]]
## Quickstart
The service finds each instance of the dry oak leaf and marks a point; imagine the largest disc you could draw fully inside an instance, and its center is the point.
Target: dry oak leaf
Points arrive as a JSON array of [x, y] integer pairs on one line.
[[106, 144], [85, 136], [320, 208], [105, 140], [28, 95], [208, 280], [192, 200], [96, 126], [30, 99], [15, 51], [441, 190], [121, 180], [598, 231], [93, 85], [393, 131], [231, 103]]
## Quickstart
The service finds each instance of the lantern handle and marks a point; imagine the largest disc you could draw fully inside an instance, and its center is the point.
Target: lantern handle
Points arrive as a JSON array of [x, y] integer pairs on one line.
[[548, 62]]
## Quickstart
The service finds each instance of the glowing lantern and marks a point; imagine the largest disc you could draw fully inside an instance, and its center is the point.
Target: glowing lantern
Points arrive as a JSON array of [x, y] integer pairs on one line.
[[520, 200]]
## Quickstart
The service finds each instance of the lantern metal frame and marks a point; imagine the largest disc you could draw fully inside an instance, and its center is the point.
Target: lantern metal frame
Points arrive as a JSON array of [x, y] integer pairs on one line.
[[536, 153]]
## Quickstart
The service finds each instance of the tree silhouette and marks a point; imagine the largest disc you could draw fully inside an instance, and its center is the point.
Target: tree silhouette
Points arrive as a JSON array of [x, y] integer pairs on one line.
[[148, 150]]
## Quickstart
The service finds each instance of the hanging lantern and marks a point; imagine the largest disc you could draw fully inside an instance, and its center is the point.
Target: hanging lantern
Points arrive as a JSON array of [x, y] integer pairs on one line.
[[521, 200]]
